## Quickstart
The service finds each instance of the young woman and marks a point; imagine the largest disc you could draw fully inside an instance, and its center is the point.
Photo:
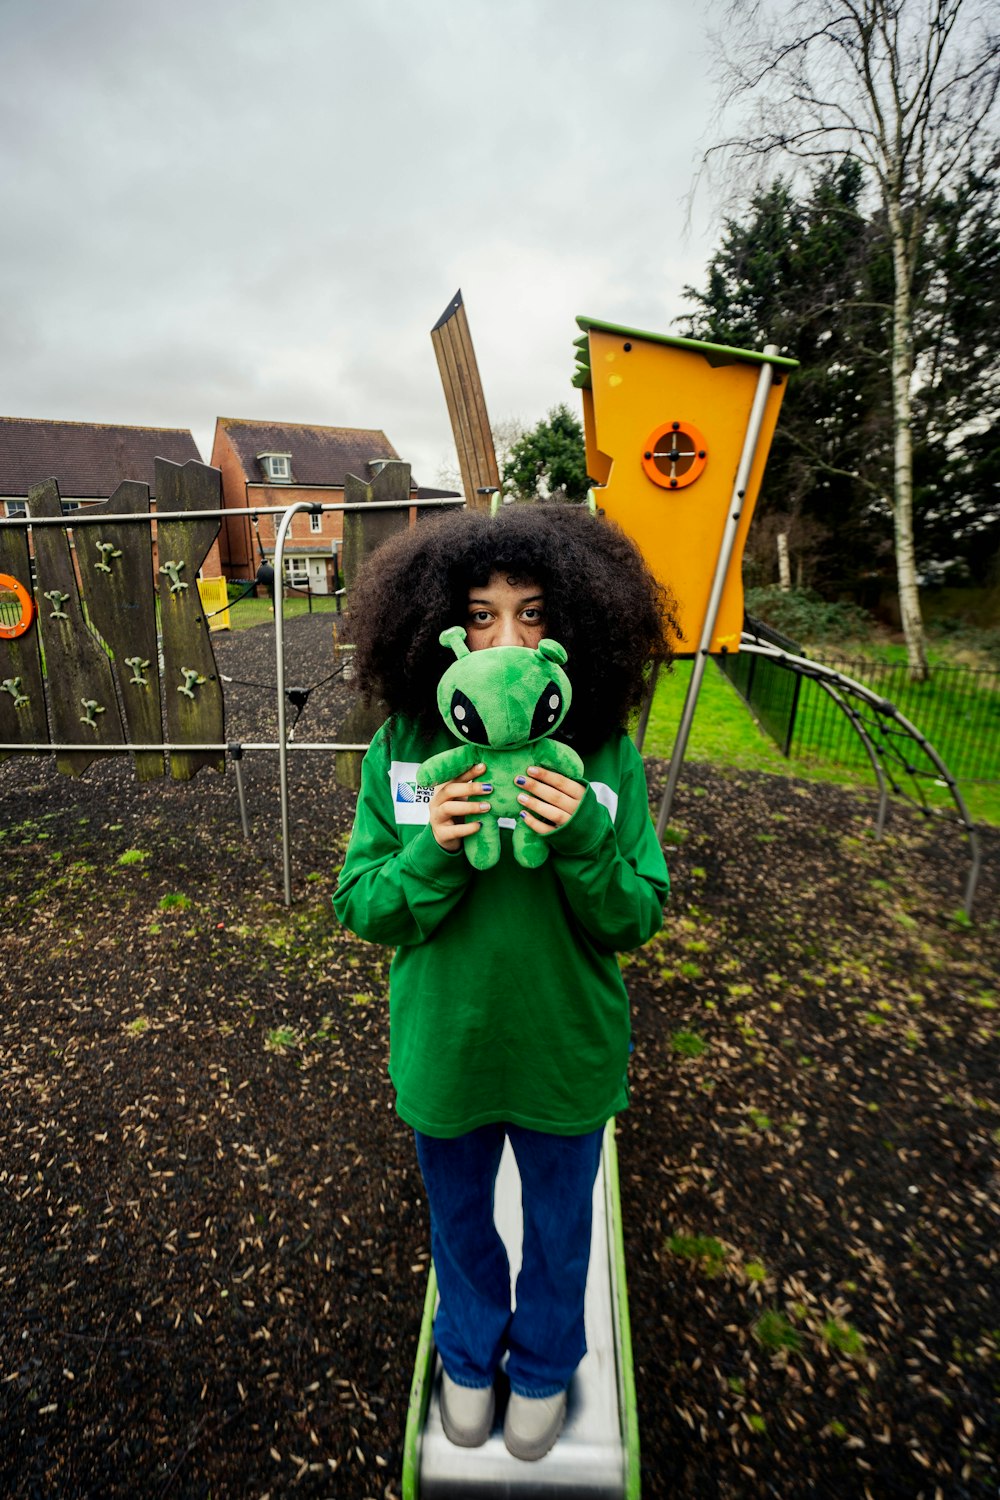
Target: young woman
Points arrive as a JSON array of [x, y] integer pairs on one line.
[[508, 1016]]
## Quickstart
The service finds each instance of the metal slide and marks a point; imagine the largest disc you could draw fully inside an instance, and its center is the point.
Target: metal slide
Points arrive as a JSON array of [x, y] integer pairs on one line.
[[597, 1456]]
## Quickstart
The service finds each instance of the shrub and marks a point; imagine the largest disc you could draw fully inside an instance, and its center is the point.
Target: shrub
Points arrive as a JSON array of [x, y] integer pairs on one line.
[[804, 616]]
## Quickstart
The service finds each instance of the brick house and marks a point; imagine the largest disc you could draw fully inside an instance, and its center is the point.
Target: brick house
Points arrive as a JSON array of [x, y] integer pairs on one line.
[[279, 463], [90, 460]]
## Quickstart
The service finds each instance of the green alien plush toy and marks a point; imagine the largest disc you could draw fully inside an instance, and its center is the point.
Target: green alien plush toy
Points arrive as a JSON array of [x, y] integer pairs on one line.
[[505, 702]]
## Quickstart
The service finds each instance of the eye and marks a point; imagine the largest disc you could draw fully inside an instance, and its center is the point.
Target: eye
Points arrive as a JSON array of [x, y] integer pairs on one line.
[[547, 711], [533, 614], [465, 717], [480, 617]]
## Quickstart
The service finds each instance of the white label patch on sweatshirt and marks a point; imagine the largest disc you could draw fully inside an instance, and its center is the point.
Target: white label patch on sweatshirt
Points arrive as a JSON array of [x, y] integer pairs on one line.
[[412, 803]]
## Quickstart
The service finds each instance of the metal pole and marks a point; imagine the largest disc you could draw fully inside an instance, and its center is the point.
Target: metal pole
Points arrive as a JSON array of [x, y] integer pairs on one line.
[[236, 751], [101, 518], [46, 747], [647, 703], [279, 652], [764, 382]]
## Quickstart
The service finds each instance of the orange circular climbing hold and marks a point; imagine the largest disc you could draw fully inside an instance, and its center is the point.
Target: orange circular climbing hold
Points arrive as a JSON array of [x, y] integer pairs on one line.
[[675, 455], [14, 586]]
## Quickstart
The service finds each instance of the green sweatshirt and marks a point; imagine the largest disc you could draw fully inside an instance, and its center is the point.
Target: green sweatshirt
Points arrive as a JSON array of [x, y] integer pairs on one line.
[[505, 997]]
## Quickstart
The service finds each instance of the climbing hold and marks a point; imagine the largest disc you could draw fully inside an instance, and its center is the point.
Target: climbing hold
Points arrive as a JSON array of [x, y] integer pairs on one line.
[[191, 681], [57, 600], [172, 570], [12, 685], [92, 707], [138, 665], [107, 550]]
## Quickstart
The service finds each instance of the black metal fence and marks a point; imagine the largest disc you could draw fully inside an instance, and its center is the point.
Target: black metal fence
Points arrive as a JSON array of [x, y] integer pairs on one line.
[[957, 710], [771, 691]]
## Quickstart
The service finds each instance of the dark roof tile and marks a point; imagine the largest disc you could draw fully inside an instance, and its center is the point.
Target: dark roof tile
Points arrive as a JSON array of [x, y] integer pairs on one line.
[[320, 455], [89, 459]]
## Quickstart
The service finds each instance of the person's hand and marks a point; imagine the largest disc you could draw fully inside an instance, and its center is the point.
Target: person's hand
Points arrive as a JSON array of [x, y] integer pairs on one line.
[[548, 798], [451, 804]]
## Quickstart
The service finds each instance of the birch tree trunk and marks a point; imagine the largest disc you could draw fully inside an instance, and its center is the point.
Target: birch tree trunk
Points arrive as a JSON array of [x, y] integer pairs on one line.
[[907, 88], [902, 418]]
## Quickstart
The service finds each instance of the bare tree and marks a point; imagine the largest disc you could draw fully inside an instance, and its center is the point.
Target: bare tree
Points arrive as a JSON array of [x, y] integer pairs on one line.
[[506, 432], [907, 88]]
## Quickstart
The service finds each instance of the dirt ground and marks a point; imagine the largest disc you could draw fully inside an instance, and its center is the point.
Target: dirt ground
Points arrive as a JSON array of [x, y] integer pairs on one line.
[[213, 1244]]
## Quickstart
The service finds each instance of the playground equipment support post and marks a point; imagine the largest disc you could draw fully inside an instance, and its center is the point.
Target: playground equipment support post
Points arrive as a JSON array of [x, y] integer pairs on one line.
[[764, 383]]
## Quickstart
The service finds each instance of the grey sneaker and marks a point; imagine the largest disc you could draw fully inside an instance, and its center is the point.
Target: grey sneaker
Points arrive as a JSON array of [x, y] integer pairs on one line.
[[533, 1423], [466, 1412]]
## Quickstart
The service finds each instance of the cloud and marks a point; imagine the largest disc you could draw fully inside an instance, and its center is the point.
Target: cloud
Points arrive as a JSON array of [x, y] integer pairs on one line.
[[227, 207]]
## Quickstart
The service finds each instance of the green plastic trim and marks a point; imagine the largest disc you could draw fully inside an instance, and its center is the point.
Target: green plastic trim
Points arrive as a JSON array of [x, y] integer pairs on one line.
[[712, 352], [420, 1393], [630, 1411]]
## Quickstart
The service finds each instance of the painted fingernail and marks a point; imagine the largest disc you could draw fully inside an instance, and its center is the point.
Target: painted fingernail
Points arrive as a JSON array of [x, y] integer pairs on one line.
[[520, 781], [484, 807], [522, 815], [523, 797], [487, 786]]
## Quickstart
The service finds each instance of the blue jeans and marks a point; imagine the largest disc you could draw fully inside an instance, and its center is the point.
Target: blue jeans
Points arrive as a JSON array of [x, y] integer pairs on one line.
[[474, 1323]]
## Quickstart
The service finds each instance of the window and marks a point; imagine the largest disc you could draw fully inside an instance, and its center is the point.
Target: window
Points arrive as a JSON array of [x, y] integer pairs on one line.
[[297, 572], [277, 466], [69, 506], [16, 509], [315, 523]]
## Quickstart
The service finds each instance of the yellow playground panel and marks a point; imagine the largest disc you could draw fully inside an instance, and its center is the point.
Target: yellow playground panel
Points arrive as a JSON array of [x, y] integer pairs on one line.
[[215, 602], [665, 422]]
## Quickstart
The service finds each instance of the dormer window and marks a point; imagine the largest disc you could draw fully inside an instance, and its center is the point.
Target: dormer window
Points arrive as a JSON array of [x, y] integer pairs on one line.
[[277, 467]]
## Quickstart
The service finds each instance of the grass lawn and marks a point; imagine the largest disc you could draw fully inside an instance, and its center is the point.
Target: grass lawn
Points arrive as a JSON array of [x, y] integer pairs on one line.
[[724, 733], [252, 611]]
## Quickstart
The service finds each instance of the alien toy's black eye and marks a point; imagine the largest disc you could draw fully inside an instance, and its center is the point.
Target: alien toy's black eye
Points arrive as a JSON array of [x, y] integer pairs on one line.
[[465, 717], [547, 710]]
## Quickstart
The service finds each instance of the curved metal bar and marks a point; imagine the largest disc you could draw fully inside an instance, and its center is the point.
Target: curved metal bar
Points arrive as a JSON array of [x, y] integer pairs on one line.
[[819, 672], [865, 738], [279, 652]]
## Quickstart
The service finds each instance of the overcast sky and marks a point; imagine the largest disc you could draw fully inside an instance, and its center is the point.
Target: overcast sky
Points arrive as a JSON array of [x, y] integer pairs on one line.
[[232, 208]]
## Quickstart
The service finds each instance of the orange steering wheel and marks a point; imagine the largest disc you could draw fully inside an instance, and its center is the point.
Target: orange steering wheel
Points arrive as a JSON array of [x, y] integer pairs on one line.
[[11, 632]]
